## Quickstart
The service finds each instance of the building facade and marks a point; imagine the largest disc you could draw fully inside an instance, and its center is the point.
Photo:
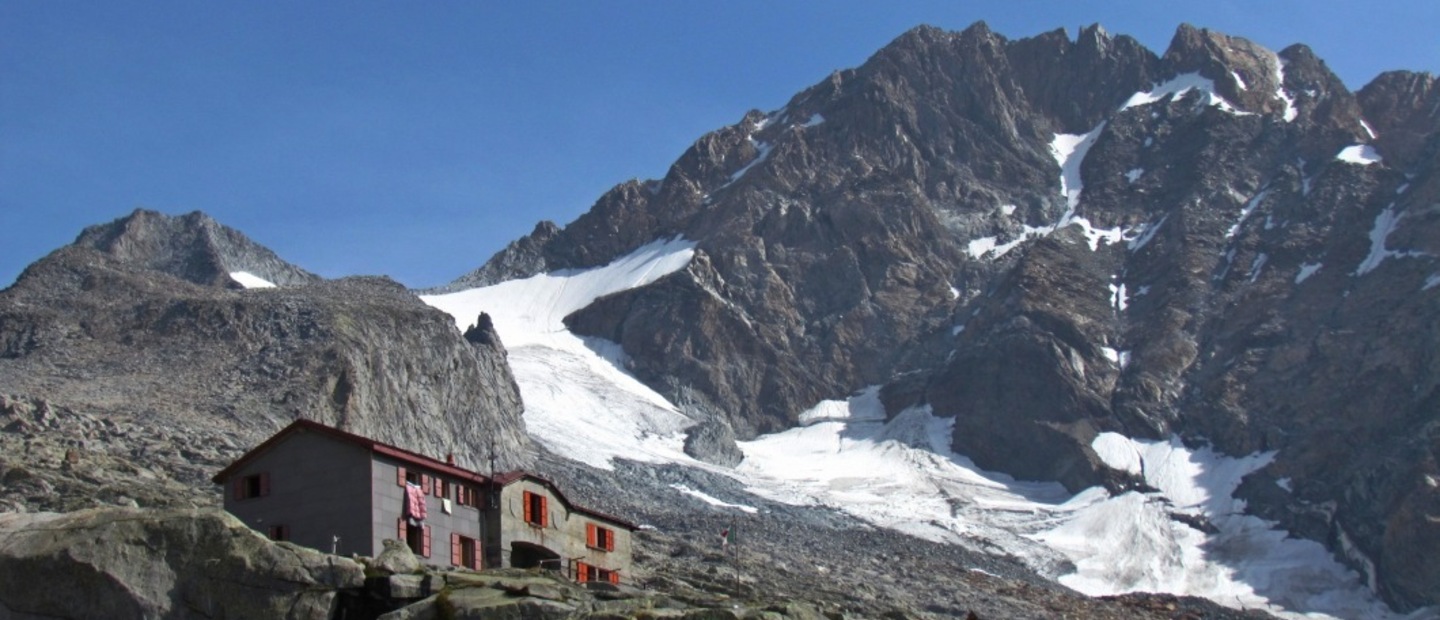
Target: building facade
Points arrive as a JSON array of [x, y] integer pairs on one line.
[[338, 492]]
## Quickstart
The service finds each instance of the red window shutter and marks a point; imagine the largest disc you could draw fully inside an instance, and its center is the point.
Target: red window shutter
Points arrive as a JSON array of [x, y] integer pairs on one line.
[[476, 562], [425, 482], [610, 541], [264, 483], [544, 511], [456, 553], [582, 572], [438, 485], [615, 577], [400, 476], [425, 544], [590, 534], [528, 516], [400, 530], [237, 488]]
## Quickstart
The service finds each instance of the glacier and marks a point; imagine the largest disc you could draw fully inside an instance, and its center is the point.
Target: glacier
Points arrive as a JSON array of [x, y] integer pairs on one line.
[[901, 473]]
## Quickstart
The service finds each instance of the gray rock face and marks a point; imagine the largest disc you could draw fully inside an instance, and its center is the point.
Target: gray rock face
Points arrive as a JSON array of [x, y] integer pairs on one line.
[[126, 563], [122, 353], [397, 558], [1256, 292], [191, 247]]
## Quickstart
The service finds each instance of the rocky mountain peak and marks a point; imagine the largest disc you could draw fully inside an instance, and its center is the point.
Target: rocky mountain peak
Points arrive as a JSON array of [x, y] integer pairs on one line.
[[1049, 238], [1403, 108], [192, 247], [1244, 73]]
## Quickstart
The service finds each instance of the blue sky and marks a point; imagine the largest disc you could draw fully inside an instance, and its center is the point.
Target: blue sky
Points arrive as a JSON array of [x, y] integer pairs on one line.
[[415, 139]]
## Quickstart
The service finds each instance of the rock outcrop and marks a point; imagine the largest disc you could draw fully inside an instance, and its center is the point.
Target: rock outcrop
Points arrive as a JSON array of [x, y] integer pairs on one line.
[[132, 563], [1052, 237], [113, 360], [140, 563]]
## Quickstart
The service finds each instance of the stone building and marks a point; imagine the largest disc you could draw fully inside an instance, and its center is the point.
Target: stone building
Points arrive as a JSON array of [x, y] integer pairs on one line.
[[335, 491]]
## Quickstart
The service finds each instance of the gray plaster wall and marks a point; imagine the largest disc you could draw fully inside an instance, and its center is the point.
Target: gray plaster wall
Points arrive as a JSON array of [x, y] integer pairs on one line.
[[319, 489], [565, 532], [389, 502]]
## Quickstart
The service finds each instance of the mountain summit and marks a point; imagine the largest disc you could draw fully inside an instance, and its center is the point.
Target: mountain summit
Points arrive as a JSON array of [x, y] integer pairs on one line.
[[1047, 239], [192, 247]]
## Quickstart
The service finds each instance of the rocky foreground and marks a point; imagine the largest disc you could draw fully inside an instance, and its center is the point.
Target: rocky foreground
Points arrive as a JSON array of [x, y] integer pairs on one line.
[[203, 563]]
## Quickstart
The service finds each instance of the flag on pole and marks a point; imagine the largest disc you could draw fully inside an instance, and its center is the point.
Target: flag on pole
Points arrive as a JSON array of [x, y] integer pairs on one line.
[[725, 538]]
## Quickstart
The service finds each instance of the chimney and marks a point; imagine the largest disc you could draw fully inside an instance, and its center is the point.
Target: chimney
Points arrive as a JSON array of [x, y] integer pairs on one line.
[[450, 458]]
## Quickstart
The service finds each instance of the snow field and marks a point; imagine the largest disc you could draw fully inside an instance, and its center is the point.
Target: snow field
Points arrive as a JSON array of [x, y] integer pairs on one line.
[[250, 280], [901, 473], [578, 399]]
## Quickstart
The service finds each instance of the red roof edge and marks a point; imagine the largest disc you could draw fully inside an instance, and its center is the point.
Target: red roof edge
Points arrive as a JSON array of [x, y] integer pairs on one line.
[[401, 454]]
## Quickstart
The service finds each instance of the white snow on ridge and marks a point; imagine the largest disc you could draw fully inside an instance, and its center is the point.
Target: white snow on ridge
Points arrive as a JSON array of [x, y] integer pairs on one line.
[[1246, 211], [1283, 95], [1360, 154], [1385, 223], [1069, 151], [250, 280], [1146, 234], [529, 311], [1180, 85], [762, 153]]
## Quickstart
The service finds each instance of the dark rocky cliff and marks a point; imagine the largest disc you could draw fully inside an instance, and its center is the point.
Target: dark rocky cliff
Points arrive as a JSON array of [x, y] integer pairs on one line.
[[1221, 275], [138, 367]]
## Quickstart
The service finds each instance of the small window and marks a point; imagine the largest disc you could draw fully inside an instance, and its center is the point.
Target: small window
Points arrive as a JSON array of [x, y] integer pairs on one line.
[[535, 509], [279, 532], [464, 551], [597, 537], [416, 537], [586, 573], [252, 486]]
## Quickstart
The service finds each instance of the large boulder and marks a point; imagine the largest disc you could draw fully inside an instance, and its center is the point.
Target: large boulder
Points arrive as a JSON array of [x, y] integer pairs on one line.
[[134, 563]]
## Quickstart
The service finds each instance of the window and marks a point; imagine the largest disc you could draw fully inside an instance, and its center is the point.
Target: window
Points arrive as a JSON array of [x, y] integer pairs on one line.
[[279, 532], [536, 509], [585, 573], [252, 486], [597, 537], [441, 488], [464, 551], [417, 537]]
